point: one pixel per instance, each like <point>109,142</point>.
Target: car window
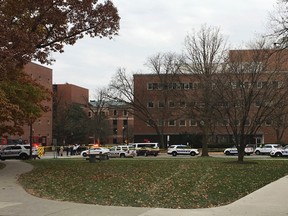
<point>15,147</point>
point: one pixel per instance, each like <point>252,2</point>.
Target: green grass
<point>166,183</point>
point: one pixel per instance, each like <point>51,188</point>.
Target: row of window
<point>193,122</point>
<point>197,85</point>
<point>173,104</point>
<point>115,113</point>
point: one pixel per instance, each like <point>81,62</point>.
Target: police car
<point>279,152</point>
<point>122,151</point>
<point>182,150</point>
<point>17,151</point>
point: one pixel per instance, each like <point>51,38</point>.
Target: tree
<point>252,85</point>
<point>279,24</point>
<point>98,125</point>
<point>70,124</point>
<point>20,103</point>
<point>204,51</point>
<point>32,30</point>
<point>166,68</point>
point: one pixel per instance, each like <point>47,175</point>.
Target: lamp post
<point>123,138</point>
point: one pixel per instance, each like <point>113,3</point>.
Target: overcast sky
<point>150,27</point>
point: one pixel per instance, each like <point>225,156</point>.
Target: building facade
<point>169,115</point>
<point>42,127</point>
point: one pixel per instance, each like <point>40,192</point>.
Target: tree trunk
<point>205,143</point>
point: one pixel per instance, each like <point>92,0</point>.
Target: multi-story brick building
<point>117,125</point>
<point>166,105</point>
<point>42,127</point>
<point>67,94</point>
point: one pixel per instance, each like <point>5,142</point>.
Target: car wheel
<point>192,153</point>
<point>257,152</point>
<point>227,153</point>
<point>278,154</point>
<point>84,154</point>
<point>122,155</point>
<point>23,156</point>
<point>174,154</point>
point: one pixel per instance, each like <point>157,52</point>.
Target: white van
<point>146,148</point>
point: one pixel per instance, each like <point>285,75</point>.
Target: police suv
<point>17,151</point>
<point>279,152</point>
<point>182,150</point>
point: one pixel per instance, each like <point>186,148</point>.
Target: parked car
<point>266,149</point>
<point>279,152</point>
<point>17,151</point>
<point>122,151</point>
<point>95,150</point>
<point>182,150</point>
<point>233,151</point>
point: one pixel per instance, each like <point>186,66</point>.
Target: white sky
<point>149,27</point>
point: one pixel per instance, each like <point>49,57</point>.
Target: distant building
<point>67,94</point>
<point>117,126</point>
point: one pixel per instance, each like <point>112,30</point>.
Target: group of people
<point>70,150</point>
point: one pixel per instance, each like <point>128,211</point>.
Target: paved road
<point>14,201</point>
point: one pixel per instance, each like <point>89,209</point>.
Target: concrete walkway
<point>15,201</point>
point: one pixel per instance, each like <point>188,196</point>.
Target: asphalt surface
<point>15,201</point>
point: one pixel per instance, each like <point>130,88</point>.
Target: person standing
<point>61,151</point>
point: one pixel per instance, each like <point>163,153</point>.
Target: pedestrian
<point>67,149</point>
<point>35,154</point>
<point>61,151</point>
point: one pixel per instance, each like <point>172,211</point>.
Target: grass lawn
<point>151,182</point>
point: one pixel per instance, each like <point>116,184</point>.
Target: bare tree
<point>98,120</point>
<point>204,50</point>
<point>248,90</point>
<point>165,71</point>
<point>167,90</point>
<point>279,24</point>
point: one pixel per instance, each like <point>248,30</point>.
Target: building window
<point>150,104</point>
<point>160,104</point>
<point>172,123</point>
<point>182,122</point>
<point>115,122</point>
<point>193,122</point>
<point>125,113</point>
<point>171,104</point>
<point>114,131</point>
<point>115,112</point>
<point>182,104</point>
<point>152,86</point>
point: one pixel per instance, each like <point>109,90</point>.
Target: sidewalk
<point>14,201</point>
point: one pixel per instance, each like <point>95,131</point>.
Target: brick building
<point>117,126</point>
<point>67,94</point>
<point>166,103</point>
<point>42,127</point>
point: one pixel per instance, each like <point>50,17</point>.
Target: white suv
<point>266,149</point>
<point>182,150</point>
<point>16,152</point>
<point>122,151</point>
